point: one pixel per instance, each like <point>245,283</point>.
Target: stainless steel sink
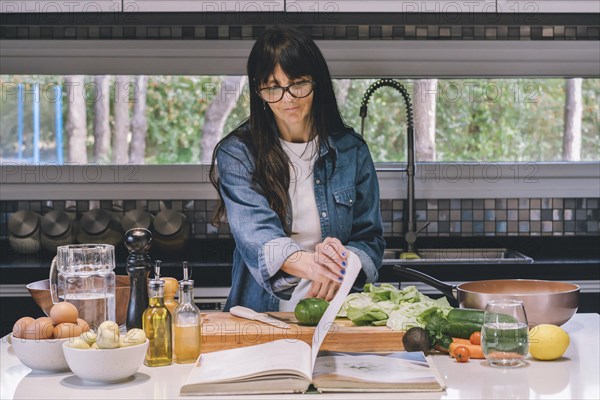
<point>456,256</point>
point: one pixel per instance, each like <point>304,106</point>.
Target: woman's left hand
<point>323,290</point>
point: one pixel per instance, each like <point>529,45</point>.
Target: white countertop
<point>574,376</point>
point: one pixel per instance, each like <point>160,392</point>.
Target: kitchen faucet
<point>411,232</point>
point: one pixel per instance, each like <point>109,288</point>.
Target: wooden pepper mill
<point>138,241</point>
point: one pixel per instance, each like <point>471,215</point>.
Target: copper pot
<point>545,302</point>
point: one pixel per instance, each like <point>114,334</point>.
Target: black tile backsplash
<point>320,26</point>
<point>446,217</point>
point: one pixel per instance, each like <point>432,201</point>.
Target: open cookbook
<point>291,366</point>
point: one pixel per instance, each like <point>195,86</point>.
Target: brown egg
<point>64,312</point>
<point>83,325</point>
<point>39,329</point>
<point>19,327</point>
<point>66,330</point>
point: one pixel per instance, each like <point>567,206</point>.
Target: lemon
<point>409,256</point>
<point>548,342</point>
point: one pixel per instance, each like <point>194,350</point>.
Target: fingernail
<point>343,272</point>
<point>340,279</point>
<point>343,254</point>
<point>343,263</point>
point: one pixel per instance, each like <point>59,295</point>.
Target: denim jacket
<point>347,200</point>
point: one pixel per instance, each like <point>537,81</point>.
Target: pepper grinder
<point>138,241</point>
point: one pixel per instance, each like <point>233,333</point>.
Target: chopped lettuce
<point>398,309</point>
<point>380,293</point>
<point>356,300</point>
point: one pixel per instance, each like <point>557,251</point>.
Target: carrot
<point>474,349</point>
<point>461,341</point>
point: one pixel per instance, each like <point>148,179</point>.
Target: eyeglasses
<point>298,90</point>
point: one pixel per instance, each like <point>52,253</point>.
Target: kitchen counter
<point>573,376</point>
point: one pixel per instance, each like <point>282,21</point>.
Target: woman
<point>298,186</point>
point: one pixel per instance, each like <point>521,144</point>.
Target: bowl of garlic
<point>106,356</point>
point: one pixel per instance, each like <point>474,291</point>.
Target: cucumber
<point>462,330</point>
<point>474,316</point>
<point>466,315</point>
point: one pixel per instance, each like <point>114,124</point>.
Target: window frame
<point>347,59</point>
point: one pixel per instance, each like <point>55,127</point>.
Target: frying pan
<point>545,302</point>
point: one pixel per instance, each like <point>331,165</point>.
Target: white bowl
<point>105,365</point>
<point>41,355</point>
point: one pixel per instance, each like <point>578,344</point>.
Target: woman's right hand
<point>327,263</point>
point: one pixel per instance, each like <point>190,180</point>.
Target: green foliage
<point>476,119</point>
<point>176,107</point>
<point>481,119</point>
<point>240,112</point>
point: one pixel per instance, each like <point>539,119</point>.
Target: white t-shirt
<point>306,224</point>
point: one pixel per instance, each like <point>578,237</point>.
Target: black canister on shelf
<point>137,218</point>
<point>138,241</point>
<point>24,231</point>
<point>99,226</point>
<point>58,229</point>
<point>171,230</point>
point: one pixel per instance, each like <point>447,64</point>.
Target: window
<point>161,119</point>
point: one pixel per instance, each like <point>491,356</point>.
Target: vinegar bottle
<point>156,322</point>
<point>186,322</point>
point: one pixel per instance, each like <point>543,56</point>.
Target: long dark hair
<point>297,55</point>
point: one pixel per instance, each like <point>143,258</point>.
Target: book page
<point>352,270</point>
<point>263,359</point>
<point>375,372</point>
<point>375,368</point>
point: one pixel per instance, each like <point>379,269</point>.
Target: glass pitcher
<point>83,275</point>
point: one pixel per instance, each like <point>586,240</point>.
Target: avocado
<point>416,339</point>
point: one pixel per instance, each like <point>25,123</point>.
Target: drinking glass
<point>504,335</point>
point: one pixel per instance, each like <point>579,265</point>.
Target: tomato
<point>475,338</point>
<point>462,354</point>
<point>310,310</point>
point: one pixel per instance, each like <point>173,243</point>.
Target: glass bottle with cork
<point>187,322</point>
<point>156,322</point>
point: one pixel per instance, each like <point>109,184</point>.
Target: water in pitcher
<point>94,308</point>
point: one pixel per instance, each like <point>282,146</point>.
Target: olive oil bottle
<point>156,322</point>
<point>186,322</point>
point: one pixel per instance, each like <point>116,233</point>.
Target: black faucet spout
<point>411,231</point>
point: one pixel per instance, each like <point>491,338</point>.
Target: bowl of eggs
<point>38,342</point>
<point>106,356</point>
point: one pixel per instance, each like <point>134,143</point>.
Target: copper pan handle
<point>450,291</point>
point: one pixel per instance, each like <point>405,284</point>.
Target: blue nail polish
<point>343,263</point>
<point>340,279</point>
<point>343,272</point>
<point>343,254</point>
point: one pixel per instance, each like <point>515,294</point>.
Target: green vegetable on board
<point>309,311</point>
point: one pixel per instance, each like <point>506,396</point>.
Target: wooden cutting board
<point>222,331</point>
